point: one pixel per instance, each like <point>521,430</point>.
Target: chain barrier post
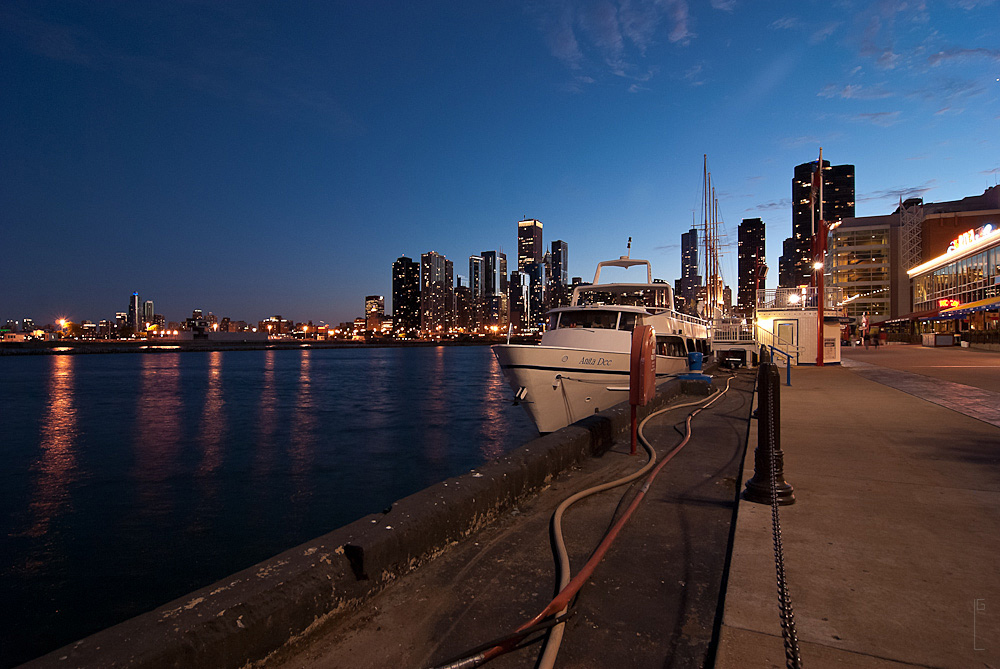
<point>758,487</point>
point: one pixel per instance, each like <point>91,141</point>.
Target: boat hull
<point>558,386</point>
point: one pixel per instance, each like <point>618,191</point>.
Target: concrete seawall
<point>250,614</point>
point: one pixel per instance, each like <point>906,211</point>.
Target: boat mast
<point>710,225</point>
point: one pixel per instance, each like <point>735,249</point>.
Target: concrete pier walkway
<point>892,551</point>
<point>653,601</point>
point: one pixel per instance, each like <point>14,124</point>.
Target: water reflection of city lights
<point>57,464</point>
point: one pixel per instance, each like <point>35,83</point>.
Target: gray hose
<point>554,639</point>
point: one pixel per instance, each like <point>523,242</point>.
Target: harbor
<point>888,549</point>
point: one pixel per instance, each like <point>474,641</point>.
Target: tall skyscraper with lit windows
<point>134,313</point>
<point>796,262</point>
<point>405,295</point>
<point>529,242</point>
<point>750,259</point>
<point>437,293</point>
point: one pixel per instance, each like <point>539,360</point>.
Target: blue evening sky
<point>251,158</point>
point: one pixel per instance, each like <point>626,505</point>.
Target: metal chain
<point>787,615</point>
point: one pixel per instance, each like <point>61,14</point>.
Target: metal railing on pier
<point>799,298</point>
<point>742,334</point>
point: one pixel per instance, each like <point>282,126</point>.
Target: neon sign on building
<point>970,237</point>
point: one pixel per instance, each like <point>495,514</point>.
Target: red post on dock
<point>642,373</point>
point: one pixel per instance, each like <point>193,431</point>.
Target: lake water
<point>130,480</point>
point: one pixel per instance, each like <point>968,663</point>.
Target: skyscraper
<point>529,242</point>
<point>750,257</point>
<point>477,268</point>
<point>374,312</point>
<point>520,300</point>
<point>535,272</point>
<point>405,295</point>
<point>690,280</point>
<point>838,203</point>
<point>134,313</point>
<point>437,293</point>
<point>147,312</point>
<point>559,292</point>
<point>494,272</point>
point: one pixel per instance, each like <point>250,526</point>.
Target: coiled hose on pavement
<point>569,587</point>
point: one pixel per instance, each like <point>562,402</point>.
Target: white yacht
<point>581,365</point>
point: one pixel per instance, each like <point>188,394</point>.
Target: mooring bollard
<point>768,455</point>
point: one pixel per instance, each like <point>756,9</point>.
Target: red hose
<point>562,599</point>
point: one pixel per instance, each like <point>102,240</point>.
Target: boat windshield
<point>658,297</point>
<point>598,319</point>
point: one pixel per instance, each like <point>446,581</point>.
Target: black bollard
<point>758,488</point>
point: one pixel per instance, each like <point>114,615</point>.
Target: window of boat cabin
<point>628,321</point>
<point>671,345</point>
<point>589,318</point>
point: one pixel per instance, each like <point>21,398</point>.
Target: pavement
<point>654,600</point>
<point>891,550</point>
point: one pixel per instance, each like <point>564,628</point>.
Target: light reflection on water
<point>303,425</point>
<point>266,419</point>
<point>130,480</point>
<point>436,409</point>
<point>213,426</point>
<point>56,468</point>
<point>157,430</point>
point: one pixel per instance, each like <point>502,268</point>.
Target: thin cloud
<point>617,35</point>
<point>995,170</point>
<point>724,5</point>
<point>895,194</point>
<point>961,54</point>
<point>786,23</point>
<point>678,11</point>
<point>784,203</point>
<point>853,92</point>
<point>824,32</point>
<point>804,140</point>
<point>881,119</point>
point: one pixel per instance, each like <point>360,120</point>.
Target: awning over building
<point>963,310</point>
<point>916,316</point>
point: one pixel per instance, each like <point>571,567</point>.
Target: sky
<point>263,158</point>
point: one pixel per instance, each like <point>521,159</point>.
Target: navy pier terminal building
<point>927,267</point>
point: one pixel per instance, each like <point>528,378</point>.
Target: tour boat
<point>581,365</point>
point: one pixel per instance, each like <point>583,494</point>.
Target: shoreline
<point>153,346</point>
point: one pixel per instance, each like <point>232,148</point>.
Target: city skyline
<point>253,160</point>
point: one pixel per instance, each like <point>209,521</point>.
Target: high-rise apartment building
<point>494,272</point>
<point>374,312</point>
<point>520,300</point>
<point>437,293</point>
<point>838,203</point>
<point>477,270</point>
<point>535,272</point>
<point>750,260</point>
<point>559,292</point>
<point>405,295</point>
<point>529,242</point>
